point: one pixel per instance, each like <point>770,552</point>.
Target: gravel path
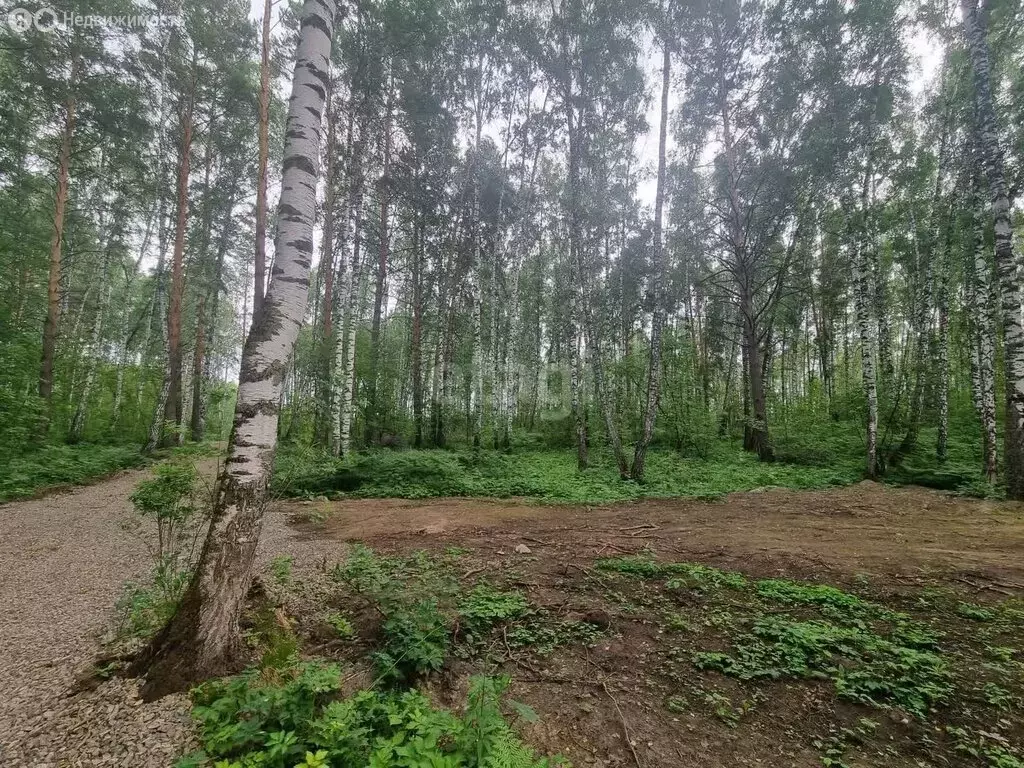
<point>64,560</point>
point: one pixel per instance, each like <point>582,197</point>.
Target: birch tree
<point>202,638</point>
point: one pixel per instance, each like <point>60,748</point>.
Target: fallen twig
<point>991,587</point>
<point>622,720</point>
<point>641,527</point>
<point>472,571</point>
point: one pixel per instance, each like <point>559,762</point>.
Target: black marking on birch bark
<point>302,245</point>
<point>290,212</point>
<point>294,281</point>
<point>295,132</point>
<point>251,411</point>
<point>316,20</point>
<point>301,162</point>
<point>263,332</point>
<point>319,90</point>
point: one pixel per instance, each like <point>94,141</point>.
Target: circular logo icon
<point>46,19</point>
<point>20,20</point>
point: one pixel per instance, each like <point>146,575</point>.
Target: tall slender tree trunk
<point>982,301</point>
<point>95,347</point>
<point>1006,261</point>
<point>416,350</point>
<point>210,330</point>
<point>348,368</point>
<point>260,261</point>
<point>925,300</point>
<point>202,638</point>
<point>206,281</point>
<point>867,346</point>
<point>196,420</point>
<point>156,423</point>
<point>942,342</point>
<point>477,362</point>
<point>865,328</point>
<point>383,254</point>
<point>56,246</point>
<point>173,406</point>
<point>657,276</point>
<point>325,429</point>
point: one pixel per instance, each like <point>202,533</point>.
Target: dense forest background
<point>575,228</point>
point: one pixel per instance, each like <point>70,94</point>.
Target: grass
<point>813,457</point>
<point>58,465</point>
<point>541,475</point>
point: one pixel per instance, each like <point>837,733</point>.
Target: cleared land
<point>624,632</point>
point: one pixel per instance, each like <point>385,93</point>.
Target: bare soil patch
<point>866,528</point>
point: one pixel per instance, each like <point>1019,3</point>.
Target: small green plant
<point>415,641</point>
<point>674,622</point>
<point>1003,654</point>
<point>341,625</point>
<point>272,637</point>
<point>281,569</point>
<point>485,606</point>
<point>543,635</point>
<point>975,612</point>
<point>144,608</point>
<point>677,704</point>
<point>986,746</point>
<point>679,575</point>
<point>863,666</point>
<point>997,696</point>
<point>169,499</point>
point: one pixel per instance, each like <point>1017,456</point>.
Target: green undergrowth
<point>810,454</point>
<point>428,615</point>
<point>917,678</point>
<point>55,466</point>
<point>403,618</point>
<point>546,476</point>
<point>297,717</point>
<point>58,465</point>
<point>951,667</point>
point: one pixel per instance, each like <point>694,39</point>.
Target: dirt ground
<point>64,559</point>
<point>907,533</point>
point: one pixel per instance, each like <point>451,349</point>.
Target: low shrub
<point>299,719</point>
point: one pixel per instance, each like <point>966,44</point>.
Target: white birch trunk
<point>92,353</point>
<point>865,330</point>
<point>348,377</point>
<point>982,302</point>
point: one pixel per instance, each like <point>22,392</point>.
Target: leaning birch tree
<point>202,638</point>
